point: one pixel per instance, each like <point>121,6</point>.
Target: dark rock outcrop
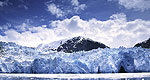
<point>80,44</point>
<point>145,44</point>
<point>122,70</point>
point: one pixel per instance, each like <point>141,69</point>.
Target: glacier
<point>20,59</point>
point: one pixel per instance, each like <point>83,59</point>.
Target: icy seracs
<point>20,59</point>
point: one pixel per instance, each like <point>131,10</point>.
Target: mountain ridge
<point>80,44</point>
<point>144,44</point>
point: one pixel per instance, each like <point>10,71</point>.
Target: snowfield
<point>19,59</point>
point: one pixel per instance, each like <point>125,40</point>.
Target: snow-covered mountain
<point>80,44</point>
<point>72,45</point>
<point>145,44</point>
<point>51,46</point>
<point>20,59</point>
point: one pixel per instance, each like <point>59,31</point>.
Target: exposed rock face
<point>80,44</point>
<point>122,70</point>
<point>145,44</point>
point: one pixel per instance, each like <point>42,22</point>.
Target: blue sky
<point>112,22</point>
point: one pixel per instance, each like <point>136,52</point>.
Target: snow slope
<point>20,59</point>
<point>52,45</point>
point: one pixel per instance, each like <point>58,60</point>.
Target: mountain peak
<point>144,44</point>
<point>80,44</point>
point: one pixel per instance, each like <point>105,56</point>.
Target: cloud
<point>62,10</point>
<point>3,3</point>
<point>23,27</point>
<point>77,5</point>
<point>55,10</point>
<point>115,32</point>
<point>138,5</point>
<point>31,38</point>
<point>23,6</point>
<point>5,27</point>
<point>75,2</point>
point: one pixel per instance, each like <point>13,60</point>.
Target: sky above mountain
<point>112,22</point>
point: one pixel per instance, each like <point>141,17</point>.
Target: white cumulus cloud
<point>115,32</point>
<point>62,10</point>
<point>138,5</point>
<point>55,10</point>
<point>31,38</point>
<point>77,5</point>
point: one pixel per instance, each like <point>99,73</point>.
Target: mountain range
<point>75,44</point>
<point>81,44</point>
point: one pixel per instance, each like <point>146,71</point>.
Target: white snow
<point>52,45</point>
